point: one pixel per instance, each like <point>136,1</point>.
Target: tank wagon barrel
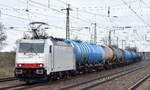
<point>127,55</point>
<point>131,55</point>
<point>118,55</point>
<point>109,54</point>
<point>87,53</point>
<point>95,54</point>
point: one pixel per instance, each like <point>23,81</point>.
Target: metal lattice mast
<point>67,22</point>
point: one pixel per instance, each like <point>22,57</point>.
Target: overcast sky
<point>84,12</point>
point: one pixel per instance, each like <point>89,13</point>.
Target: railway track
<point>140,81</point>
<point>87,84</point>
<point>10,82</point>
<point>13,87</point>
<point>7,79</point>
<point>14,84</point>
<point>101,79</point>
<point>18,86</point>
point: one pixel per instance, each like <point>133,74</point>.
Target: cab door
<point>48,58</point>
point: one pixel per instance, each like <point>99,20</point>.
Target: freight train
<point>38,59</point>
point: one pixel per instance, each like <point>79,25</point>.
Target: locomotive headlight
<point>19,65</point>
<point>41,65</point>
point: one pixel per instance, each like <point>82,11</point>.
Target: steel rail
<point>134,86</point>
<point>100,80</point>
<point>7,79</point>
<point>28,86</point>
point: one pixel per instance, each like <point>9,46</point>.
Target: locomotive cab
<point>31,59</point>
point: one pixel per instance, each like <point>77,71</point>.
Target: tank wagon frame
<point>38,59</point>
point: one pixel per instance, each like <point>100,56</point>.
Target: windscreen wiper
<point>32,49</point>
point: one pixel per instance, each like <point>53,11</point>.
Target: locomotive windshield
<point>31,48</point>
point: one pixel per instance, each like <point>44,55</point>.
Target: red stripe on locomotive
<point>29,65</point>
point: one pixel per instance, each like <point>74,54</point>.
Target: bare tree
<point>2,36</point>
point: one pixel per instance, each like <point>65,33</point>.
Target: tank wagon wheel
<point>100,68</point>
<point>89,70</point>
<point>106,66</point>
<point>52,77</point>
<point>77,72</point>
<point>63,75</point>
<point>113,66</point>
<point>119,64</point>
<point>67,75</point>
<point>59,75</point>
<point>73,73</point>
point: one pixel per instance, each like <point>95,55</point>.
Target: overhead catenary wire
<point>145,3</point>
<point>29,12</point>
<point>43,5</point>
<point>139,6</point>
<point>59,11</point>
<point>63,13</point>
<point>136,13</point>
<point>32,13</point>
<point>85,11</point>
<point>140,18</point>
<point>23,10</point>
<point>54,26</point>
<point>22,17</point>
<point>15,29</point>
<point>89,22</point>
<point>32,20</point>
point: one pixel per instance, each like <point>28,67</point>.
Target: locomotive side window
<point>50,49</point>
